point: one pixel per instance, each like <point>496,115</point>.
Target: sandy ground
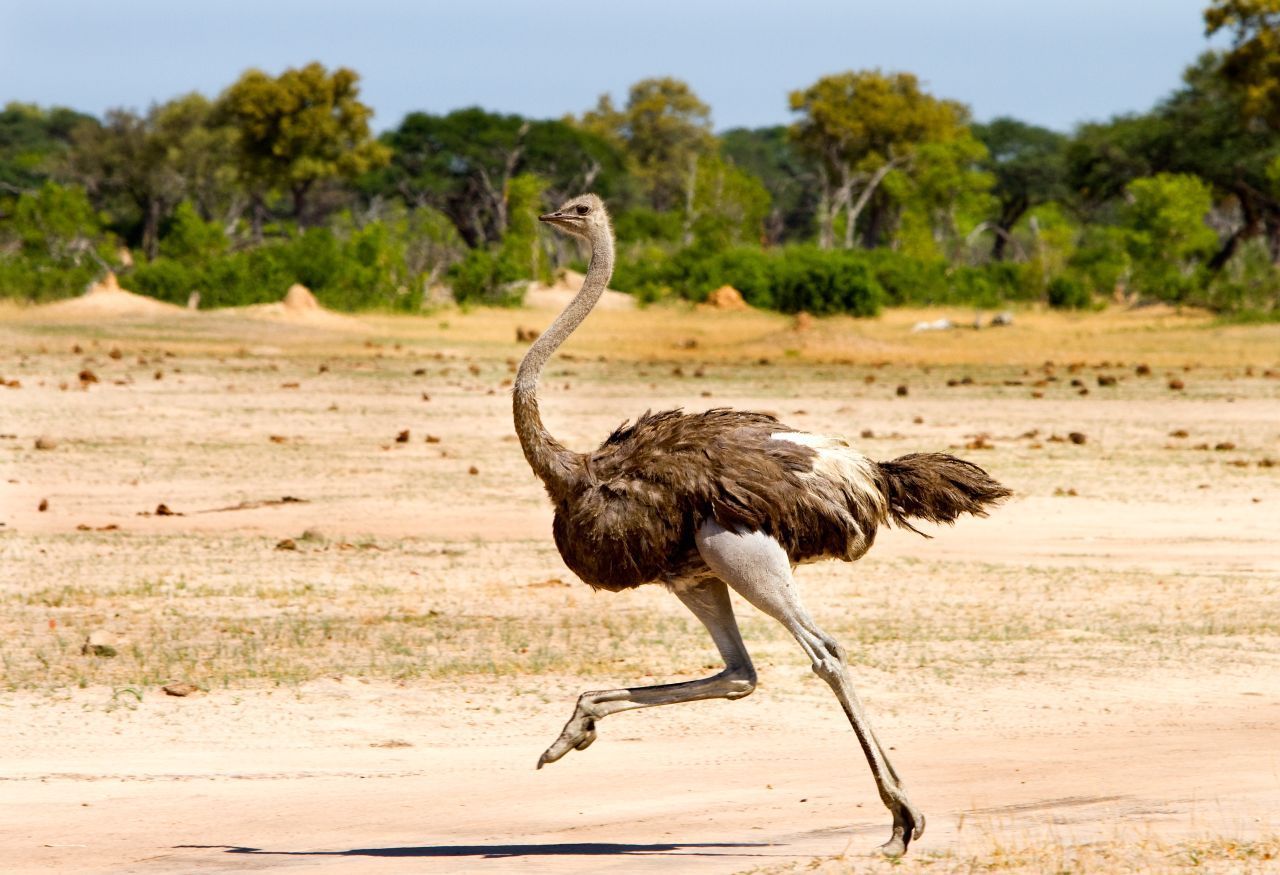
<point>1096,665</point>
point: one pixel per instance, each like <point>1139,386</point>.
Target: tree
<point>1168,238</point>
<point>664,128</point>
<point>1253,61</point>
<point>727,207</point>
<point>770,156</point>
<point>858,127</point>
<point>32,140</point>
<point>463,163</point>
<point>302,127</point>
<point>143,166</point>
<point>1028,163</point>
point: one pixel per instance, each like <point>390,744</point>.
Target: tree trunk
<point>301,191</point>
<point>151,229</point>
<point>257,216</point>
<point>854,209</point>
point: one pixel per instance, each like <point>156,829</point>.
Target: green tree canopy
<point>1028,163</point>
<point>1253,61</point>
<point>860,125</point>
<point>664,129</point>
<point>463,163</point>
<point>300,128</point>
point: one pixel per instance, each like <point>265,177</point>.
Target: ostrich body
<point>719,500</point>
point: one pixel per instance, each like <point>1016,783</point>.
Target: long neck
<point>556,466</point>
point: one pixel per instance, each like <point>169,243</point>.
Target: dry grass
<point>378,592</point>
<point>1132,855</point>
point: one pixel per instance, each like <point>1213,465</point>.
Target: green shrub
<point>1068,293</point>
<point>825,282</point>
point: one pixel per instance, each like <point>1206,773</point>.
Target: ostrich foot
<point>908,825</point>
<point>578,734</point>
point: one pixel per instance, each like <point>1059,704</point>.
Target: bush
<point>1068,293</point>
<point>825,282</point>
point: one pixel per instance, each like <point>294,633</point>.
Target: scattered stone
<point>474,370</point>
<point>979,442</point>
<point>116,353</point>
<point>181,689</point>
<point>1143,370</point>
<point>277,438</point>
<point>403,437</point>
<point>290,385</point>
<point>432,439</point>
<point>473,470</point>
<point>391,743</point>
<point>44,505</point>
<point>1077,437</point>
<point>1178,433</point>
<point>163,510</point>
<point>1224,445</point>
<point>44,442</point>
<point>287,544</point>
<point>101,644</point>
<point>902,391</point>
<point>526,335</point>
<point>868,434</point>
<point>87,376</point>
<point>1177,385</point>
<point>1060,491</point>
<point>1106,380</point>
<point>1267,462</point>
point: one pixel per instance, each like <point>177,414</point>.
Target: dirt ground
<point>383,638</point>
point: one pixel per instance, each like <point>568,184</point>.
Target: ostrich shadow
<point>502,851</point>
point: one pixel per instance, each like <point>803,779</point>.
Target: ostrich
<point>724,499</point>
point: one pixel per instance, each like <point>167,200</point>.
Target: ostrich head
<point>583,216</point>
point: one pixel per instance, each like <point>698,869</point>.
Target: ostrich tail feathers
<point>938,488</point>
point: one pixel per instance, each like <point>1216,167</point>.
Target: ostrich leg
<point>710,604</point>
<point>757,568</point>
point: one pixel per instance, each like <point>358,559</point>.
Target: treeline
<point>878,193</point>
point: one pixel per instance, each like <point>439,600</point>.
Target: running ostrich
<point>705,502</point>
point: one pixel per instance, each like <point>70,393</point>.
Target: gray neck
<point>556,466</point>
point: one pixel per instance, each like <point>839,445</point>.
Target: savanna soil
<point>384,638</point>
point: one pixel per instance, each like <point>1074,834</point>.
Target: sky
<point>1051,62</point>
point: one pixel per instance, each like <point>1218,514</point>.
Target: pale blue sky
<point>1049,62</point>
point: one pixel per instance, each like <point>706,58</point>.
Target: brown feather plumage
<point>641,497</point>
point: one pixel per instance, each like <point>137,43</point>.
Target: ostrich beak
<point>550,218</point>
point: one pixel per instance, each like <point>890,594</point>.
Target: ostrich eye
<point>583,209</point>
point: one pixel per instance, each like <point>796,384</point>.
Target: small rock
<point>287,544</point>
<point>403,437</point>
<point>101,644</point>
<point>473,470</point>
<point>1178,433</point>
<point>1077,437</point>
<point>1177,385</point>
<point>44,505</point>
<point>44,442</point>
<point>902,391</point>
<point>1106,380</point>
<point>1224,445</point>
<point>163,510</point>
<point>87,376</point>
<point>181,689</point>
